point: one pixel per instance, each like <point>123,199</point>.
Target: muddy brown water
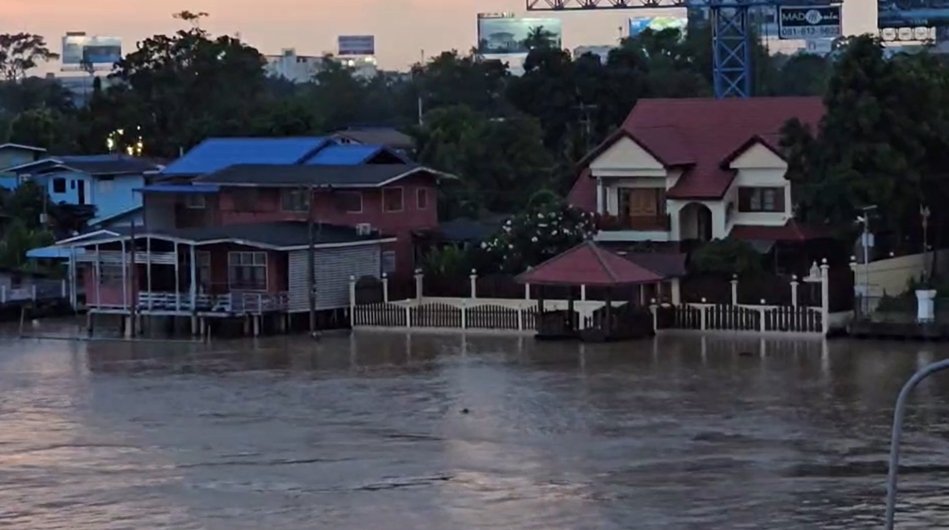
<point>369,432</point>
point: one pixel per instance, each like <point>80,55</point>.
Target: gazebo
<point>590,265</point>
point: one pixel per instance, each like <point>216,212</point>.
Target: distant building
<point>304,68</point>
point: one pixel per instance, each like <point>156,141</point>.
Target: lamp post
<point>924,214</point>
<point>865,247</point>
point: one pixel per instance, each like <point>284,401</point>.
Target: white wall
<point>891,276</point>
<point>626,158</point>
<point>758,166</point>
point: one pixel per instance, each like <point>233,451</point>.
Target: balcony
<point>635,228</point>
<point>233,303</point>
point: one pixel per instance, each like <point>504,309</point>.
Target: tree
<point>20,52</point>
<point>46,128</point>
<point>540,38</point>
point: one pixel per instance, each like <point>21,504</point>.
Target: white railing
<point>760,319</point>
<point>37,290</point>
<point>238,303</point>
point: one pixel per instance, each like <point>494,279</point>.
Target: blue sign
<point>912,13</point>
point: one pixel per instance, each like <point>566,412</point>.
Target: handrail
<point>897,432</point>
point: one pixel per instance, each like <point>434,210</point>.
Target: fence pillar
<point>408,316</point>
<point>734,289</point>
<point>676,291</point>
<point>520,319</point>
<point>762,311</point>
<point>352,301</point>
<point>464,314</point>
<point>385,287</point>
<point>474,283</point>
<point>583,293</point>
<point>418,284</point>
<point>794,286</point>
<point>702,311</point>
<point>527,291</point>
<point>825,296</point>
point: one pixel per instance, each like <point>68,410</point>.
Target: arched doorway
<point>695,222</point>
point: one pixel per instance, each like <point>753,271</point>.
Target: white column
<point>98,274</point>
<point>125,281</point>
<point>148,269</point>
<point>385,287</point>
<point>177,289</point>
<point>735,289</point>
<point>600,197</point>
<point>825,296</point>
<point>527,291</point>
<point>583,293</point>
<point>473,278</point>
<point>794,286</point>
<point>676,291</point>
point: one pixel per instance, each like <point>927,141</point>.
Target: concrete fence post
<point>474,283</point>
<point>734,289</point>
<point>385,287</point>
<point>418,284</point>
<point>408,316</point>
<point>762,311</point>
<point>704,314</point>
<point>527,291</point>
<point>825,296</point>
<point>464,314</point>
<point>794,286</point>
<point>583,293</point>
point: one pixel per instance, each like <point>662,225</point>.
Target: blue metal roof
<point>180,188</point>
<point>52,252</point>
<point>218,153</point>
<point>344,155</point>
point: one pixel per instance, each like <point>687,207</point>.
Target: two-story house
<point>105,182</point>
<point>696,169</point>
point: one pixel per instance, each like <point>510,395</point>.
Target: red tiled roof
<point>712,129</point>
<point>583,193</point>
<point>792,231</point>
<point>588,264</point>
<point>701,134</point>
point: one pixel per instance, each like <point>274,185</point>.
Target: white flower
<point>534,239</point>
<point>555,232</point>
<point>540,216</point>
<point>484,244</point>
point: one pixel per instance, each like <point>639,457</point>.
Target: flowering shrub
<point>535,236</point>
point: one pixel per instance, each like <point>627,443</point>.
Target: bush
<point>726,257</point>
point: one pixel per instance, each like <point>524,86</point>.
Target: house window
<point>247,271</point>
<point>421,197</point>
<point>388,262</point>
<point>349,201</point>
<point>110,273</point>
<point>195,201</point>
<point>59,185</point>
<point>245,200</point>
<point>392,199</point>
<point>105,184</point>
<point>294,200</point>
<point>760,199</point>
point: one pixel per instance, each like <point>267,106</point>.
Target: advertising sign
<point>356,44</point>
<point>500,35</point>
<point>638,25</point>
<point>912,13</point>
<point>808,22</point>
<point>79,48</point>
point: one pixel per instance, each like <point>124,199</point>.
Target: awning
<point>180,188</point>
<point>53,252</point>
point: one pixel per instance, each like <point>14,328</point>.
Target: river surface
<point>370,432</point>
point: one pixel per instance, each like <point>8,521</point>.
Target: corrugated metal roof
<point>214,154</point>
<point>344,155</point>
<point>180,188</point>
<point>291,175</point>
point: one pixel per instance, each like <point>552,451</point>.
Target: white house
<point>695,169</point>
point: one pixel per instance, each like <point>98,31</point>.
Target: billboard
<point>505,34</point>
<point>912,13</point>
<point>808,22</point>
<point>638,25</point>
<point>356,45</point>
<point>79,48</point>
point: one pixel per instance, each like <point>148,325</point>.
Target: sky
<point>403,28</point>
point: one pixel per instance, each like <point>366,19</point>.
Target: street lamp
<point>865,244</point>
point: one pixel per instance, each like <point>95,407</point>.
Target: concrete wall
<point>891,276</point>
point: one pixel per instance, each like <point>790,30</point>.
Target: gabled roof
<point>711,129</point>
<point>588,264</point>
<point>108,164</point>
<point>214,154</point>
<point>362,176</point>
<point>700,135</point>
<point>386,136</point>
<point>355,154</point>
<point>22,147</point>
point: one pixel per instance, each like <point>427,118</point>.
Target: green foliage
<point>535,236</point>
<point>44,127</point>
<point>17,240</point>
<point>726,257</point>
<point>20,52</point>
<point>447,262</point>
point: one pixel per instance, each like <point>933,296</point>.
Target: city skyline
<point>403,28</point>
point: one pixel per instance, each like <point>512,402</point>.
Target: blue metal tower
<point>731,35</point>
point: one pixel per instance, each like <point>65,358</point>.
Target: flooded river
<point>381,431</point>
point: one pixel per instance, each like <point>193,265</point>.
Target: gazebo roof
<point>588,264</point>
